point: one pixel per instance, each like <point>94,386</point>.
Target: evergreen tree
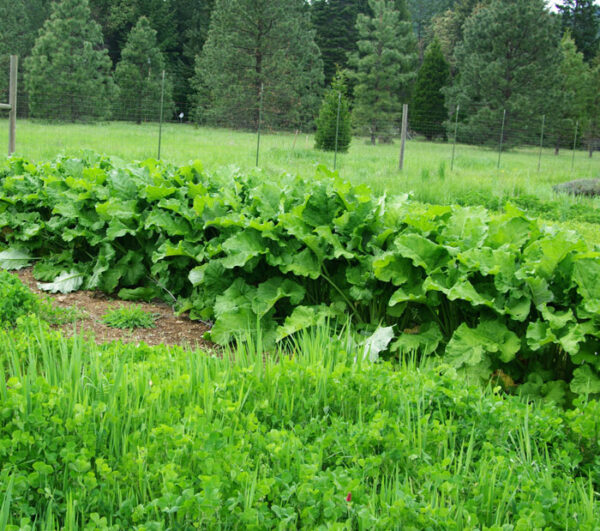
<point>181,29</point>
<point>68,72</point>
<point>421,14</point>
<point>335,31</point>
<point>580,18</point>
<point>327,122</point>
<point>428,104</point>
<point>384,68</point>
<point>592,107</point>
<point>569,101</point>
<point>20,22</point>
<point>448,26</point>
<point>139,76</point>
<point>507,62</point>
<point>14,38</point>
<point>253,44</point>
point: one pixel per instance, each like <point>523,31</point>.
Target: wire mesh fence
<point>260,112</point>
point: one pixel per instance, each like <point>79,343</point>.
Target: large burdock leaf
<point>304,317</point>
<point>586,274</point>
<point>66,282</point>
<point>422,251</point>
<point>269,292</point>
<point>585,381</point>
<point>14,258</point>
<point>425,339</point>
<point>242,247</point>
<point>377,343</point>
<point>468,345</point>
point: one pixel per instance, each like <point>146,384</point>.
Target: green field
<point>475,178</point>
<point>475,167</point>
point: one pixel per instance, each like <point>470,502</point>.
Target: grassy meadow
<point>475,178</point>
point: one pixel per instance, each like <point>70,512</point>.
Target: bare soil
<point>170,329</point>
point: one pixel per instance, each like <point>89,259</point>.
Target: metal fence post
<point>12,101</point>
<point>162,100</point>
<point>403,134</point>
<point>455,135</point>
<point>260,109</point>
<point>337,130</point>
<point>501,137</point>
<point>574,145</point>
<point>541,142</point>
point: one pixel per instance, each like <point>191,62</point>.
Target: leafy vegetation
<point>129,317</point>
<point>132,437</point>
<point>16,299</point>
<point>497,294</point>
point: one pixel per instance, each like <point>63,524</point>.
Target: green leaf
<point>303,317</point>
<point>422,251</point>
<point>274,289</point>
<point>539,335</point>
<point>377,343</point>
<point>172,225</point>
<point>117,208</point>
<point>145,293</point>
<point>468,345</point>
<point>426,341</point>
<point>241,247</point>
<point>66,282</point>
<point>585,381</point>
<point>586,274</point>
<point>15,258</point>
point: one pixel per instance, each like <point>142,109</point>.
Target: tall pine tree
<point>507,62</point>
<point>15,37</point>
<point>68,72</point>
<point>254,46</point>
<point>580,18</point>
<point>428,104</point>
<point>139,76</point>
<point>385,67</point>
<point>569,101</point>
<point>20,22</point>
<point>591,129</point>
<point>335,31</point>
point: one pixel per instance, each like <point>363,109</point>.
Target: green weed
<point>129,317</point>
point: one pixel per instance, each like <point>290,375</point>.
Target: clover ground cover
<point>122,436</point>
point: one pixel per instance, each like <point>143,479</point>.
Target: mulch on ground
<point>92,305</point>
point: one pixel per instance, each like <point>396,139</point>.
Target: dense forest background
<point>470,61</point>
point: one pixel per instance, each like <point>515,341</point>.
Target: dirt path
<point>91,306</point>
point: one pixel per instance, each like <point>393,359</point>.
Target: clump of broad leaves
<point>497,295</point>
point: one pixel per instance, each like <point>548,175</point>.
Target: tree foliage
<point>569,102</point>
<point>139,76</point>
<point>335,103</point>
<point>20,21</point>
<point>428,104</point>
<point>592,107</point>
<point>68,72</point>
<point>181,29</point>
<point>582,19</point>
<point>335,31</point>
<point>384,66</point>
<point>254,46</point>
<point>505,66</point>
